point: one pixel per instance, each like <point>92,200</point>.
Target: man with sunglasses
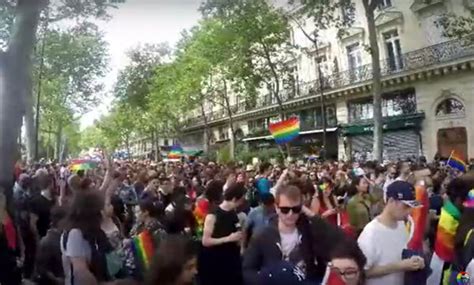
<point>283,239</point>
<point>384,239</point>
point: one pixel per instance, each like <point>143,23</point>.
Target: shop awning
<point>412,121</point>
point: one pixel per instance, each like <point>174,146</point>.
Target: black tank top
<point>227,222</point>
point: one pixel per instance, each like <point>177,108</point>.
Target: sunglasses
<point>294,210</point>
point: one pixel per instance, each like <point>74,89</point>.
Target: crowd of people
<point>200,222</point>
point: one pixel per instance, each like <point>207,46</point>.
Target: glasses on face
<point>350,273</point>
<point>294,210</point>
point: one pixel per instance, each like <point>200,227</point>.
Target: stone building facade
<point>428,89</point>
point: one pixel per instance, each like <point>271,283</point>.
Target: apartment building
<point>428,89</point>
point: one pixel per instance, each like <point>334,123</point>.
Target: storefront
<point>401,138</point>
<point>308,142</point>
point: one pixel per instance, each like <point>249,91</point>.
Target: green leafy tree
<point>18,41</point>
<point>262,34</point>
<point>74,61</point>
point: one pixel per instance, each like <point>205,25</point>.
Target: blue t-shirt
<point>263,185</point>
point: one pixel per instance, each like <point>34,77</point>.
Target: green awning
<point>412,121</point>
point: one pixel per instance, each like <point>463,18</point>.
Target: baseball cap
<point>403,192</point>
<point>282,273</point>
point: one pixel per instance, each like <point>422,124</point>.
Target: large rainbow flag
<point>455,161</point>
<point>143,249</point>
<point>176,152</point>
<point>285,131</point>
<point>444,243</point>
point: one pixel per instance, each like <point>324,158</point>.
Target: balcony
<point>431,56</point>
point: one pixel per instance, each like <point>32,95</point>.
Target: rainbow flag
<point>469,203</point>
<point>200,213</point>
<point>176,152</point>
<point>456,162</point>
<point>143,249</point>
<point>419,216</point>
<point>285,131</point>
<point>444,243</point>
<point>82,164</point>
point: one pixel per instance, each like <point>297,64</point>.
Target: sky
<point>137,22</point>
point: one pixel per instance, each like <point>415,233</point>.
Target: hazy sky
<point>142,21</point>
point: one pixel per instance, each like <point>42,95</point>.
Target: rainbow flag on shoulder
<point>455,161</point>
<point>285,131</point>
<point>176,152</point>
<point>143,249</point>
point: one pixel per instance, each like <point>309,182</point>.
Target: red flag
<point>334,278</point>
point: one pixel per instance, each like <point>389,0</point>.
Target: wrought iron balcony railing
<point>429,56</point>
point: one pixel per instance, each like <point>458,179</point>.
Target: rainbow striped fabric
<point>419,216</point>
<point>285,131</point>
<point>469,203</point>
<point>82,164</point>
<point>143,249</point>
<point>447,226</point>
<point>455,161</point>
<point>200,213</point>
<point>444,244</point>
<point>176,152</point>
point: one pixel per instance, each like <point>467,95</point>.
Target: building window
<point>165,142</point>
<point>354,58</point>
<point>331,116</point>
<point>322,64</point>
<point>346,10</point>
<point>293,83</point>
<point>385,4</point>
<point>450,106</point>
<point>394,50</point>
<point>393,104</point>
<point>291,37</point>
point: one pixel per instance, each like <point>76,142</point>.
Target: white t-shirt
<point>383,245</point>
<point>289,241</point>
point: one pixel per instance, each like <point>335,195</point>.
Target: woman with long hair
<point>175,262</point>
<point>83,244</point>
<point>360,204</point>
<point>325,205</point>
<point>10,250</point>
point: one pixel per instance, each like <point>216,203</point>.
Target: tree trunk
<point>63,149</point>
<point>231,123</point>
<point>59,138</point>
<point>377,82</point>
<point>127,145</point>
<point>14,72</point>
<point>30,129</point>
<point>207,135</point>
<point>276,90</point>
